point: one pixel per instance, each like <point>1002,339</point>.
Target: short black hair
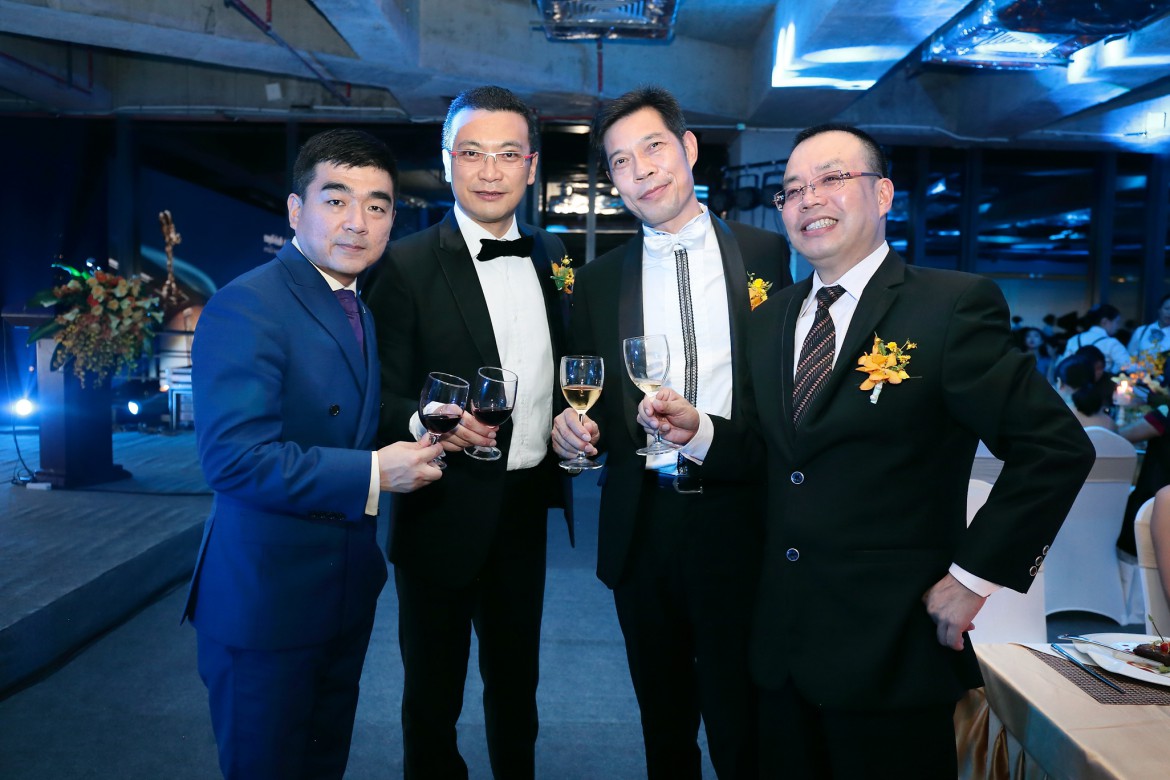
<point>1103,311</point>
<point>648,96</point>
<point>876,157</point>
<point>345,148</point>
<point>491,98</point>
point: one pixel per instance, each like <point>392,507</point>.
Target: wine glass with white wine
<point>581,379</point>
<point>648,364</point>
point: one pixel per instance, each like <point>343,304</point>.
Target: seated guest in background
<point>1154,473</point>
<point>1035,343</point>
<point>1154,337</point>
<point>287,383</point>
<point>1102,381</point>
<point>1160,533</point>
<point>1102,323</point>
<point>1074,382</point>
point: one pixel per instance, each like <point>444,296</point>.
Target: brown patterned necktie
<point>816,355</point>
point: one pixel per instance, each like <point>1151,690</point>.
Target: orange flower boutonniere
<point>757,290</point>
<point>562,275</point>
<point>885,363</point>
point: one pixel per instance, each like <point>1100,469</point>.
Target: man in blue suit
<point>286,383</point>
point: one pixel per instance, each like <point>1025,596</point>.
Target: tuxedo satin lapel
<point>456,264</point>
<point>738,306</point>
<point>788,352</point>
<point>630,323</point>
<point>311,289</point>
<point>555,302</point>
<point>877,298</point>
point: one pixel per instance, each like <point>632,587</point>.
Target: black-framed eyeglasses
<point>475,158</point>
<point>826,182</point>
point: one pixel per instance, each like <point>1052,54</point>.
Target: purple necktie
<point>816,356</point>
<point>349,302</point>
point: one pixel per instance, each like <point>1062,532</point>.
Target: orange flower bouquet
<point>562,275</point>
<point>885,363</point>
<point>757,290</point>
<point>104,323</point>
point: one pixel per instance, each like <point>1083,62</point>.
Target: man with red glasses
<point>871,383</point>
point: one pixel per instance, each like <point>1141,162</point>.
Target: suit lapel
<point>313,292</point>
<point>556,303</point>
<point>373,391</point>
<point>788,354</point>
<point>877,298</point>
<point>630,323</point>
<point>456,264</point>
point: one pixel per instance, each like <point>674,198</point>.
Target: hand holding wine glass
<point>440,407</point>
<point>492,400</point>
<point>582,377</point>
<point>648,364</point>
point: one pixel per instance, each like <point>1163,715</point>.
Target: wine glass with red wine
<point>440,407</point>
<point>492,400</point>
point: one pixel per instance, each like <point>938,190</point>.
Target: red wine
<point>441,423</point>
<point>492,416</point>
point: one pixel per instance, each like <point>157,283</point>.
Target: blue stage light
<point>24,407</point>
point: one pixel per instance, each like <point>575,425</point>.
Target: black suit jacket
<point>867,501</point>
<point>607,307</point>
<point>428,304</point>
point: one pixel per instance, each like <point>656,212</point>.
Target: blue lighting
<point>23,407</point>
<point>132,407</point>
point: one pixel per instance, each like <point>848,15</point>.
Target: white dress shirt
<point>520,325</point>
<point>1152,338</point>
<point>1116,355</point>
<point>375,482</point>
<point>661,313</point>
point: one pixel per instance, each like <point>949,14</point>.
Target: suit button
<point>1039,560</point>
<point>793,554</point>
<point>334,410</point>
<point>797,478</point>
<point>1045,550</point>
<point>1034,570</point>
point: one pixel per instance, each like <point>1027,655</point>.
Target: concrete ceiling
<point>402,60</point>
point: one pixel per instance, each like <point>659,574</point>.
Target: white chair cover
<point>1007,616</point>
<point>1082,571</point>
<point>1148,572</point>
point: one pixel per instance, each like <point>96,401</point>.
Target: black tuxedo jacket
<point>866,501</point>
<point>607,308</point>
<point>432,316</point>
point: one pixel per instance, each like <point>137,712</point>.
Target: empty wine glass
<point>581,379</point>
<point>440,407</point>
<point>648,364</point>
<point>492,400</point>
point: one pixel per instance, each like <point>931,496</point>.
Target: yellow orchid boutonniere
<point>757,290</point>
<point>885,363</point>
<point>562,275</point>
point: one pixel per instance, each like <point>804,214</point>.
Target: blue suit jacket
<point>286,412</point>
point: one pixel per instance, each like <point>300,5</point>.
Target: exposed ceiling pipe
<point>266,27</point>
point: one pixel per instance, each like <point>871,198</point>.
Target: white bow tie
<point>661,246</point>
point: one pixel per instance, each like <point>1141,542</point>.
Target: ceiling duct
<point>1029,34</point>
<point>579,20</point>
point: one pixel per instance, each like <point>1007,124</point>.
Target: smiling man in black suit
<point>871,577</point>
<point>473,553</point>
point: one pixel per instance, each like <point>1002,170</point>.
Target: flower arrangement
<point>562,275</point>
<point>104,323</point>
<point>886,362</point>
<point>757,290</point>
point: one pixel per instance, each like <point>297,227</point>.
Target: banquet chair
<point>1151,583</point>
<point>1006,616</point>
<point>1082,573</point>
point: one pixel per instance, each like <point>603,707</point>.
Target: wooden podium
<point>77,426</point>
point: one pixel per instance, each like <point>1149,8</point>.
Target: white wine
<point>648,386</point>
<point>581,397</point>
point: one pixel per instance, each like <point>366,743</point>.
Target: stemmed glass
<point>648,363</point>
<point>581,379</point>
<point>440,407</point>
<point>492,400</point>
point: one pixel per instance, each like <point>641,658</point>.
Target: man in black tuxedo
<point>679,550</point>
<point>871,577</point>
<point>473,553</point>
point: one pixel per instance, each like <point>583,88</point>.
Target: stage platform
<point>76,563</point>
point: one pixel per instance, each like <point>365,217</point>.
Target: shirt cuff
<point>416,428</point>
<point>696,449</point>
<point>375,487</point>
<point>978,585</point>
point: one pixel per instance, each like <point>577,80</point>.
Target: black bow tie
<point>490,249</point>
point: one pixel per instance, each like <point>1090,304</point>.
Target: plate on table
<point>1126,642</point>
